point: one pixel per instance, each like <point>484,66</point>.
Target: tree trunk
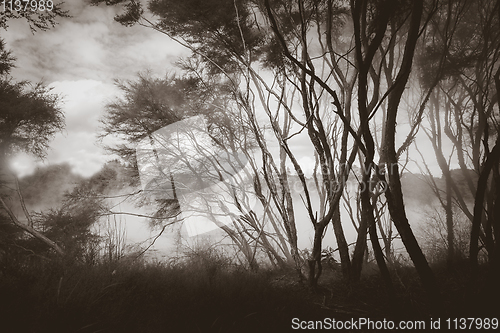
<point>238,238</point>
<point>394,196</point>
<point>345,261</point>
<point>360,248</point>
<point>449,225</point>
<point>379,256</point>
<point>495,262</point>
<point>315,259</point>
<point>436,139</point>
<point>368,220</point>
<point>482,184</point>
<point>394,193</point>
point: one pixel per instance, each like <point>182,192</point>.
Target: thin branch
<point>31,230</point>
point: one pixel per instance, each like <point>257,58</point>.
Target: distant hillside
<point>417,191</point>
<point>46,187</point>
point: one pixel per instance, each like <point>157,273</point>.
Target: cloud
<point>84,104</point>
<point>80,151</point>
<point>89,45</point>
<point>79,59</point>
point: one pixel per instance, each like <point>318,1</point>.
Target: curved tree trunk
<point>394,196</point>
<point>482,184</point>
<point>394,193</point>
<point>360,248</point>
<point>314,263</point>
<point>345,261</point>
<point>379,256</point>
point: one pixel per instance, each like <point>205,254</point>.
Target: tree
<point>262,39</point>
<point>211,151</point>
<point>148,104</point>
<point>29,117</point>
<point>468,91</point>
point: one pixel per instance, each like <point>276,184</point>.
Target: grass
<point>188,297</point>
<point>205,293</point>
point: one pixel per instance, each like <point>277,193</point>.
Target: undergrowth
<point>195,295</point>
<point>205,292</point>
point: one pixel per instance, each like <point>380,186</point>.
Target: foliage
<point>112,177</point>
<point>146,297</point>
<point>29,117</point>
<point>70,227</point>
<point>147,105</point>
<point>299,46</point>
<point>6,59</point>
<point>467,50</point>
<point>151,296</point>
<point>458,40</point>
<point>46,187</point>
<point>276,36</point>
<point>70,218</point>
<point>29,114</point>
<point>434,236</point>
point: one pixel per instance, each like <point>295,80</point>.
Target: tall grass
<point>205,291</point>
<point>198,294</point>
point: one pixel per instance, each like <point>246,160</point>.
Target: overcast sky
<point>80,58</point>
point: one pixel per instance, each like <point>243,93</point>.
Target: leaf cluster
<point>231,32</point>
<point>466,42</point>
<point>29,117</point>
<point>6,60</point>
<point>70,227</point>
<point>147,105</point>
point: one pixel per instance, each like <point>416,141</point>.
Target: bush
<point>434,241</point>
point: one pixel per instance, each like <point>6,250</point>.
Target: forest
<point>309,162</point>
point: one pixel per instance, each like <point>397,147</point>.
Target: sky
<point>80,59</point>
